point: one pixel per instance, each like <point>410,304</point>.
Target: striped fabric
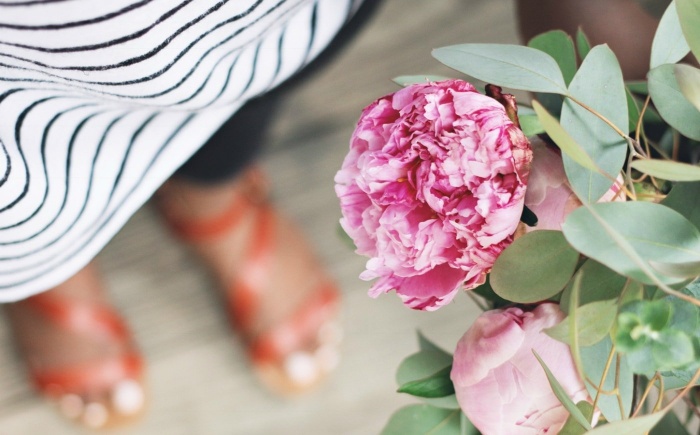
<point>101,100</point>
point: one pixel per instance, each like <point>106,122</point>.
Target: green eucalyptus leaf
<point>668,169</point>
<point>670,102</point>
<point>677,270</point>
<point>594,322</point>
<point>594,359</point>
<point>669,45</point>
<point>637,425</point>
<point>563,397</point>
<point>563,139</point>
<point>598,84</point>
<point>689,16</point>
<point>511,66</point>
<point>625,236</point>
<point>572,427</point>
<point>468,427</point>
<point>673,349</point>
<point>560,46</point>
<point>677,379</point>
<point>422,420</point>
<point>633,110</point>
<point>424,364</point>
<point>641,361</point>
<point>534,267</point>
<point>638,87</point>
<point>415,79</point>
<point>531,125</point>
<point>683,199</point>
<point>688,78</point>
<point>434,386</point>
<point>670,424</point>
<point>582,45</point>
<point>598,283</point>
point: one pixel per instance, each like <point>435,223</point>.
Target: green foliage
<point>637,425</point>
<point>434,386</point>
<point>598,84</point>
<point>688,79</point>
<point>560,46</point>
<point>681,200</point>
<point>421,366</point>
<point>563,397</point>
<point>668,169</point>
<point>594,322</point>
<point>423,420</point>
<point>594,359</point>
<point>670,102</point>
<point>626,236</point>
<point>572,427</point>
<point>583,47</point>
<point>563,139</point>
<point>510,66</point>
<point>669,45</point>
<point>689,16</point>
<point>535,267</point>
<point>657,335</point>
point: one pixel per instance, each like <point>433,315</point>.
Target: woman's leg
<point>79,352</point>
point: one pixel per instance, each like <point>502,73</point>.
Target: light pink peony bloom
<point>499,383</point>
<point>432,190</point>
<point>549,194</point>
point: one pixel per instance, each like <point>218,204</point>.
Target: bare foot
<point>79,353</point>
<point>267,271</point>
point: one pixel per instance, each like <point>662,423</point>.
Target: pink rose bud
<point>499,383</point>
<point>432,190</point>
<point>549,194</point>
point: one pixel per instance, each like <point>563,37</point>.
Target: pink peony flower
<point>432,190</point>
<point>549,195</point>
<point>499,383</point>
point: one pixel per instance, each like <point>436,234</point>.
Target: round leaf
<point>560,46</point>
<point>671,104</point>
<point>423,419</point>
<point>689,16</point>
<point>594,322</point>
<point>511,66</point>
<point>669,44</point>
<point>599,85</point>
<point>625,236</point>
<point>688,78</point>
<point>535,267</point>
<point>598,283</point>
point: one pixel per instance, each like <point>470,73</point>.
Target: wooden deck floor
<point>198,379</point>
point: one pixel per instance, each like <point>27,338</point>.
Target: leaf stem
<point>684,391</point>
<point>602,118</point>
<point>599,388</point>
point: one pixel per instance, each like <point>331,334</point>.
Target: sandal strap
<point>255,192</point>
<point>89,376</point>
<point>245,293</point>
<point>93,320</point>
<point>283,338</point>
<point>99,321</point>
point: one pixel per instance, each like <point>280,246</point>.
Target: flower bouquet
<point>574,224</point>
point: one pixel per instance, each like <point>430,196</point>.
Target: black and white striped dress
<point>101,100</point>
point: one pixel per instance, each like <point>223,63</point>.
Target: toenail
<point>301,368</point>
<point>128,397</point>
<point>71,405</point>
<point>95,415</point>
<point>330,333</point>
<point>328,357</point>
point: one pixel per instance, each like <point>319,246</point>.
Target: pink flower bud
<point>499,383</point>
<point>432,190</point>
<point>549,194</point>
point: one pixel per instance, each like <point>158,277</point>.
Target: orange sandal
<point>295,354</point>
<point>70,386</point>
